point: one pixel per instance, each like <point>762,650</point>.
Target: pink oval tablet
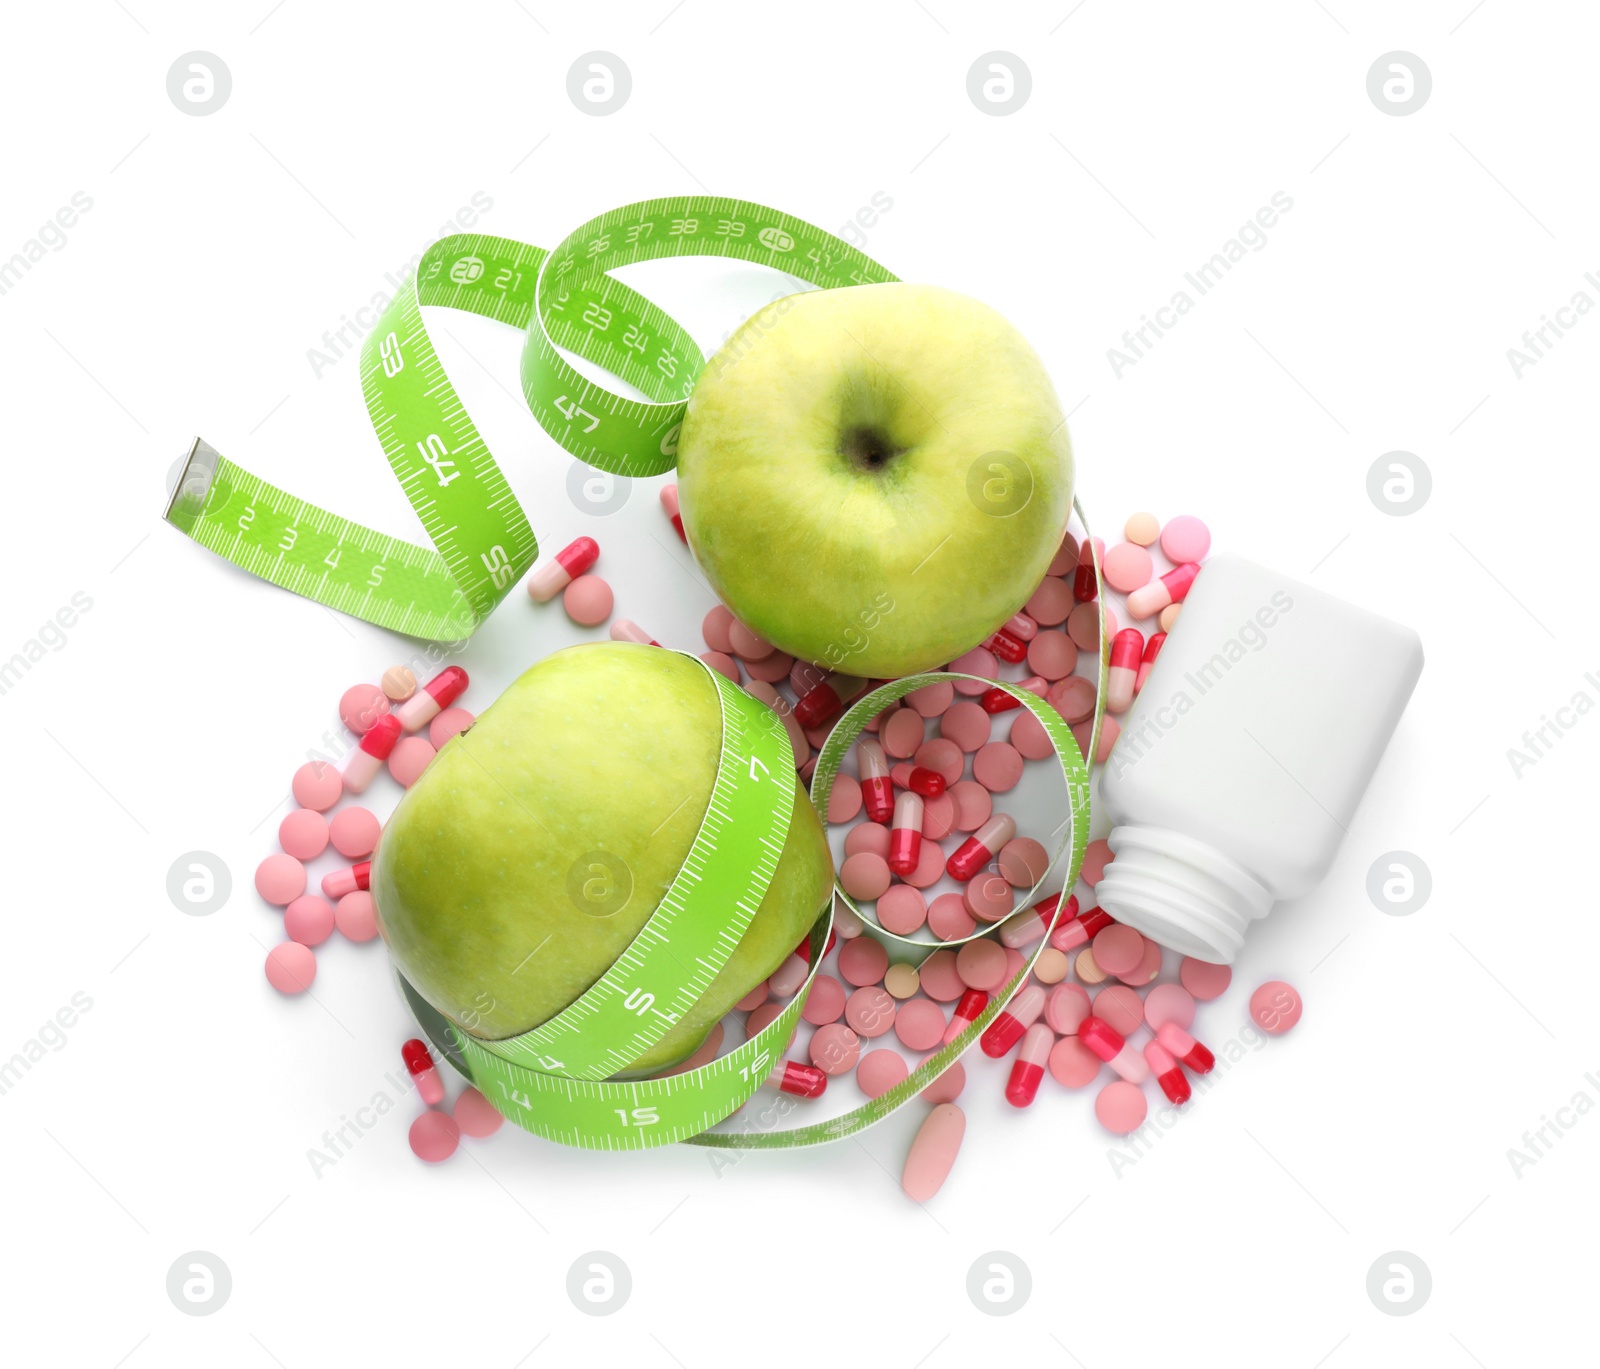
<point>1052,655</point>
<point>303,834</point>
<point>763,1017</point>
<point>933,1152</point>
<point>932,700</point>
<point>1121,1107</point>
<point>1142,529</point>
<point>291,967</point>
<point>988,898</point>
<point>865,876</point>
<point>355,832</point>
<point>1147,969</point>
<point>1203,979</point>
<point>1127,567</point>
<point>844,799</point>
<point>1030,738</point>
<point>588,601</point>
<point>1065,1009</point>
<point>1065,561</point>
<point>450,723</point>
<point>749,645</point>
<point>722,663</point>
<point>716,627</point>
<point>879,1071</point>
<point>1120,1008</point>
<point>938,816</point>
<point>1072,1064</point>
<point>965,724</point>
<point>939,978</point>
<point>973,804</point>
<point>920,1024</point>
<point>409,759</point>
<point>902,734</point>
<point>1185,538</point>
<point>980,661</point>
<point>355,916</point>
<point>944,756</point>
<point>867,838</point>
<point>1169,1003</point>
<point>901,909</point>
<point>862,962</point>
<point>1023,862</point>
<point>1097,855</point>
<point>434,1136</point>
<point>1083,626</point>
<point>318,785</point>
<point>834,1049</point>
<point>981,965</point>
<point>997,766</point>
<point>1073,698</point>
<point>308,920</point>
<point>759,995</point>
<point>475,1115</point>
<point>1275,1007</point>
<point>280,879</point>
<point>362,705</point>
<point>1050,604</point>
<point>770,669</point>
<point>1118,948</point>
<point>869,1012</point>
<point>947,1087</point>
<point>948,918</point>
<point>825,1002</point>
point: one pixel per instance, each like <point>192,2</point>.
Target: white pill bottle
<point>1242,760</point>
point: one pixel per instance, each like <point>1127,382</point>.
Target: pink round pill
<point>1023,862</point>
<point>944,756</point>
<point>948,918</point>
<point>902,734</point>
<point>1097,855</point>
<point>988,898</point>
<point>759,995</point>
<point>354,832</point>
<point>919,1024</point>
<point>930,866</point>
<point>748,644</point>
<point>1120,1008</point>
<point>1169,1003</point>
<point>1185,538</point>
<point>362,705</point>
<point>354,916</point>
<point>434,1136</point>
<point>869,1012</point>
<point>1083,625</point>
<point>1142,529</point>
<point>867,838</point>
<point>1065,561</point>
<point>939,978</point>
<point>844,800</point>
<point>834,1049</point>
<point>1052,655</point>
<point>722,663</point>
<point>997,766</point>
<point>318,785</point>
<point>1118,948</point>
<point>1121,1107</point>
<point>308,920</point>
<point>865,876</point>
<point>980,661</point>
<point>825,1002</point>
<point>901,909</point>
<point>303,834</point>
<point>291,967</point>
<point>588,601</point>
<point>932,700</point>
<point>879,1071</point>
<point>965,724</point>
<point>1203,979</point>
<point>1065,1009</point>
<point>762,1018</point>
<point>938,816</point>
<point>475,1115</point>
<point>1073,698</point>
<point>1275,1007</point>
<point>972,801</point>
<point>409,759</point>
<point>1050,603</point>
<point>981,965</point>
<point>1147,969</point>
<point>770,669</point>
<point>863,962</point>
<point>716,629</point>
<point>1127,567</point>
<point>1072,1064</point>
<point>1030,738</point>
<point>947,1087</point>
<point>450,723</point>
<point>280,879</point>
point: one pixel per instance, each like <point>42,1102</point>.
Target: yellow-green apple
<point>875,478</point>
<point>538,842</point>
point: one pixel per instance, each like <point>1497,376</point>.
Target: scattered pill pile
<point>927,845</point>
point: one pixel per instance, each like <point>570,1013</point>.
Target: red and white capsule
<point>968,1010</point>
<point>1112,1047</point>
<point>981,847</point>
<point>1152,649</point>
<point>1127,647</point>
<point>570,562</point>
<point>362,765</point>
<point>1186,1048</point>
<point>626,630</point>
<point>341,882</point>
<point>919,780</point>
<point>1171,588</point>
<point>877,793</point>
<point>1174,1083</point>
<point>419,1065</point>
<point>433,698</point>
<point>1012,1020</point>
<point>905,836</point>
<point>1024,928</point>
<point>1080,930</point>
<point>804,1081</point>
<point>1028,1068</point>
<point>1008,648</point>
<point>826,698</point>
<point>669,502</point>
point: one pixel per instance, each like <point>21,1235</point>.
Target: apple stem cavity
<point>868,448</point>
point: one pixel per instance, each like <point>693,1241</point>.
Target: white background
<point>179,1113</point>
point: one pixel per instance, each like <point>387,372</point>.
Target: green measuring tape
<point>482,541</point>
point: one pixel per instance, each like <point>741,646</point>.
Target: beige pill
<point>1088,969</point>
<point>1142,529</point>
<point>901,980</point>
<point>1051,967</point>
<point>398,683</point>
<point>1169,616</point>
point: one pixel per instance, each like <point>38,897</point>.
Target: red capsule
<point>1174,1083</point>
<point>998,701</point>
<point>669,502</point>
<point>1083,587</point>
<point>566,566</point>
<point>1007,647</point>
<point>1012,1020</point>
<point>362,765</point>
<point>1081,930</point>
<point>920,780</point>
<point>805,1081</point>
<point>826,699</point>
<point>419,1065</point>
<point>1021,626</point>
<point>877,793</point>
<point>905,837</point>
<point>972,1004</point>
<point>1024,928</point>
<point>1186,1048</point>
<point>1028,1068</point>
<point>1126,649</point>
<point>1152,649</point>
<point>980,848</point>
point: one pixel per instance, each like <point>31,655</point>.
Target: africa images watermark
<point>51,234</point>
<point>1538,742</point>
<point>1537,342</point>
<point>51,1036</point>
<point>1538,1143</point>
<point>51,636</point>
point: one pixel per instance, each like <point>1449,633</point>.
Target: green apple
<point>537,844</point>
<point>875,478</point>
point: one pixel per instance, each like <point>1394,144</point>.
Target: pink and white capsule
<point>363,764</point>
<point>669,502</point>
<point>433,698</point>
<point>1112,1047</point>
<point>1012,1020</point>
<point>1021,626</point>
<point>877,793</point>
<point>570,562</point>
<point>1152,649</point>
<point>972,1004</point>
<point>1127,647</point>
<point>786,980</point>
<point>905,837</point>
<point>1081,930</point>
<point>1028,1068</point>
<point>626,630</point>
<point>341,882</point>
<point>1186,1048</point>
<point>419,1065</point>
<point>1024,928</point>
<point>980,848</point>
<point>1172,1080</point>
<point>1171,588</point>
